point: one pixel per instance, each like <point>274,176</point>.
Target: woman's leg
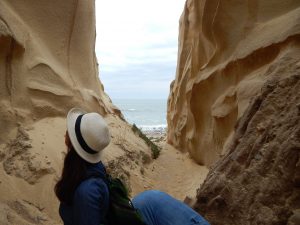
<point>159,208</point>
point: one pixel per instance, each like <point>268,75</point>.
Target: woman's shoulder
<point>91,188</point>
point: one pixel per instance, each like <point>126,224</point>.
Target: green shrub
<point>146,159</point>
<point>155,150</point>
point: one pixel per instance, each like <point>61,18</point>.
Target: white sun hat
<point>88,133</point>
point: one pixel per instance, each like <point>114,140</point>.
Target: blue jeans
<point>158,208</point>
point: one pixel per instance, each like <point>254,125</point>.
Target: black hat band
<point>79,137</point>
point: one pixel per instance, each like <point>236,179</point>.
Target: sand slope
<point>227,51</point>
<point>173,172</point>
<point>31,162</point>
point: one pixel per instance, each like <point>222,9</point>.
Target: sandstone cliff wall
<point>258,181</point>
<point>227,51</point>
<point>47,60</point>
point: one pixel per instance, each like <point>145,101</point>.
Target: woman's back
<point>90,202</point>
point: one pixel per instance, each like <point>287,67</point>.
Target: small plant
<point>155,151</point>
<point>142,171</point>
<point>146,159</point>
<point>154,148</point>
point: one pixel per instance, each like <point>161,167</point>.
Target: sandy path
<point>175,173</point>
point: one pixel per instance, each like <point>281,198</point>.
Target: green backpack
<point>121,210</point>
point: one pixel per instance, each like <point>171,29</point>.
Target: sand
<point>32,162</point>
<point>175,173</point>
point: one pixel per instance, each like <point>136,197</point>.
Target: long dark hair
<point>74,171</point>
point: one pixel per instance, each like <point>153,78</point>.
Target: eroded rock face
<point>227,51</point>
<point>258,181</point>
<point>47,61</point>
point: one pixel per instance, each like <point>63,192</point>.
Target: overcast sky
<point>136,46</point>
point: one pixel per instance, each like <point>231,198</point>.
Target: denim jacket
<point>90,201</point>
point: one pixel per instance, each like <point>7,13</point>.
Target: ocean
<point>147,114</point>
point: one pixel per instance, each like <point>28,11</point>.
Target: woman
<point>83,201</point>
<point>84,196</point>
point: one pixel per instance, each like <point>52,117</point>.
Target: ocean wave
<point>159,127</point>
<point>130,110</point>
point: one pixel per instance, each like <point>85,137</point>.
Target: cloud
<point>136,46</point>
